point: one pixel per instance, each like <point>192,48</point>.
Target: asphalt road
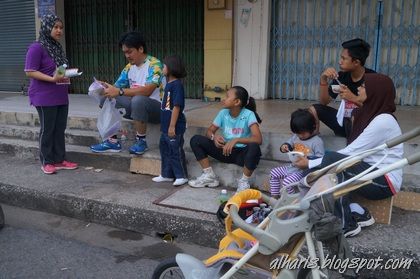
<point>40,245</point>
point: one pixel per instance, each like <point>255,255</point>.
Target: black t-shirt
<point>345,78</point>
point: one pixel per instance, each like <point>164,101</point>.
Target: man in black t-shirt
<point>345,83</point>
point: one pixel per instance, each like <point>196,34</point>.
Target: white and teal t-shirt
<point>150,72</point>
<point>235,127</point>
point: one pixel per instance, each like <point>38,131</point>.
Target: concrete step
<point>73,136</point>
<point>76,124</point>
<point>121,161</point>
<point>82,133</point>
<point>26,149</point>
<point>125,201</point>
<point>150,162</point>
<point>270,147</point>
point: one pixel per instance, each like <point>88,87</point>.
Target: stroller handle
<point>404,137</point>
<point>412,159</point>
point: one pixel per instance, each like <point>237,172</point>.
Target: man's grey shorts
<point>140,108</point>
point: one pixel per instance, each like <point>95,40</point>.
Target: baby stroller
<point>257,252</point>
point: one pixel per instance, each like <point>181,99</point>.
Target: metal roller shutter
<point>306,38</point>
<point>93,29</point>
<point>17,29</point>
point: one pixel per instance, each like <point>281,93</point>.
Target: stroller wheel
<point>168,269</point>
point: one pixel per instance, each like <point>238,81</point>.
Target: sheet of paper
<point>340,113</point>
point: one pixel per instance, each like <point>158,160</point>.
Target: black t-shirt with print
<point>174,96</point>
<point>345,78</point>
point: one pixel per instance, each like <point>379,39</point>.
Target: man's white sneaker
<point>162,179</point>
<point>180,181</point>
<point>242,185</point>
<point>205,180</point>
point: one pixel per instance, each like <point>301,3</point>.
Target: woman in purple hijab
<point>48,92</point>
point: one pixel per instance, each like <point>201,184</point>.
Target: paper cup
<point>335,88</point>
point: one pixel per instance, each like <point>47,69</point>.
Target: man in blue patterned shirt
<point>137,90</point>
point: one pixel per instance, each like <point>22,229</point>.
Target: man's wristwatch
<point>212,137</point>
<point>121,93</point>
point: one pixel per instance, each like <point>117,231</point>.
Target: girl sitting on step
<point>238,142</point>
<point>304,139</point>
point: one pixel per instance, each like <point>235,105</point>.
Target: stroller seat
<point>236,243</point>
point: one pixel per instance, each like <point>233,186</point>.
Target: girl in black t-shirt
<point>173,124</point>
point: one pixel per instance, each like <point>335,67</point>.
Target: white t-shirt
<point>381,129</point>
<point>137,76</point>
<point>150,72</point>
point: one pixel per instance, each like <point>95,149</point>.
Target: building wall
<point>306,38</point>
<point>17,33</point>
<point>59,11</point>
<point>217,49</point>
<point>251,46</point>
<point>218,41</point>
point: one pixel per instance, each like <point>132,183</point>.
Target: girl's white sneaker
<point>180,181</point>
<point>162,179</point>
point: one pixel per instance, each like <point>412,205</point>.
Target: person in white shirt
<point>373,125</point>
<point>137,90</point>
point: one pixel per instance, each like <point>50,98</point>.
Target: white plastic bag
<point>109,119</point>
<point>96,90</point>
